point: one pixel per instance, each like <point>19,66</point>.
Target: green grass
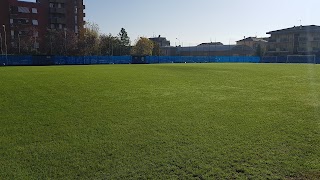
<point>171,121</point>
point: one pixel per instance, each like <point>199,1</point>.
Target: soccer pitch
<point>165,121</point>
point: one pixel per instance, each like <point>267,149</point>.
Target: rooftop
<point>253,39</point>
<point>311,28</point>
<point>211,48</point>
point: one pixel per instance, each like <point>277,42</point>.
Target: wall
<point>87,60</point>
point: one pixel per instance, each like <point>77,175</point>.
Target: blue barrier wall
<point>81,60</point>
<point>290,59</point>
<point>16,60</point>
<point>87,60</point>
<point>202,59</point>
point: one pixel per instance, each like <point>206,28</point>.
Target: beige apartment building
<point>253,42</point>
<point>298,40</point>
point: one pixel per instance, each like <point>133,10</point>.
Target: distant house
<point>209,50</point>
<point>253,42</point>
<point>211,43</point>
<point>297,40</point>
<point>162,41</point>
<point>216,50</point>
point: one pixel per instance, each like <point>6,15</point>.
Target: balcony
<point>57,10</point>
<point>19,22</point>
<point>303,39</point>
<point>57,1</point>
<point>58,21</point>
<point>316,39</point>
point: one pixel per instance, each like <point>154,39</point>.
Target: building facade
<point>300,40</point>
<point>209,50</point>
<point>161,41</point>
<point>27,23</point>
<point>253,42</point>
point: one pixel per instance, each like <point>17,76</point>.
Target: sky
<point>191,22</point>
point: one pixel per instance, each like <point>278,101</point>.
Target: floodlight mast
<point>5,42</point>
<point>1,43</point>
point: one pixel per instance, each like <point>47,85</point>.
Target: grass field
<point>171,121</point>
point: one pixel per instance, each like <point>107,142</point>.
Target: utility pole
<point>19,42</point>
<point>1,43</point>
<point>5,41</point>
<point>65,40</point>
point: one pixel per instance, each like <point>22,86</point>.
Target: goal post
<point>311,59</point>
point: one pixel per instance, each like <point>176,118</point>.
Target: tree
<point>143,47</point>
<point>156,51</point>
<point>27,41</point>
<point>61,42</point>
<point>89,41</point>
<point>124,47</point>
<point>109,45</point>
<point>124,38</point>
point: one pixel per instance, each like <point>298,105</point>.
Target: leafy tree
<point>124,38</point>
<point>27,42</point>
<point>109,45</point>
<point>61,42</point>
<point>124,47</point>
<point>143,47</point>
<point>156,51</point>
<point>89,41</point>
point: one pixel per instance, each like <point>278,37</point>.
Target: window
<point>23,10</point>
<point>51,5</point>
<point>11,21</point>
<point>34,10</point>
<point>52,26</point>
<point>35,22</point>
<point>60,26</point>
<point>59,5</point>
<point>76,19</point>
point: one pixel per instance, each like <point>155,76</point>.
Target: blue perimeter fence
<point>87,60</point>
<point>12,60</point>
<point>291,59</point>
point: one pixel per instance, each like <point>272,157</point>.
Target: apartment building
<point>253,42</point>
<point>208,50</point>
<point>297,40</point>
<point>25,24</point>
<point>162,41</point>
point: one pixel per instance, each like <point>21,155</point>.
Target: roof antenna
<point>300,24</point>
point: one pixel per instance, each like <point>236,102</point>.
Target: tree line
<point>90,42</point>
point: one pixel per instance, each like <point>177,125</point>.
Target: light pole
<point>5,41</point>
<point>19,42</point>
<point>1,44</point>
<point>65,40</point>
<point>179,41</point>
<point>35,42</point>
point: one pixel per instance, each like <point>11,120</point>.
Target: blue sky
<point>197,21</point>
